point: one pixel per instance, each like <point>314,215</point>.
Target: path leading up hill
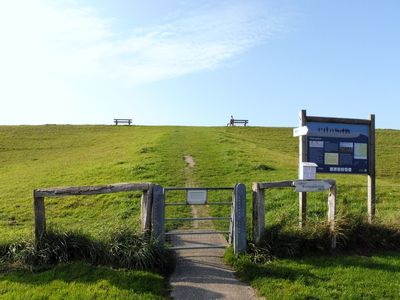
<point>202,273</point>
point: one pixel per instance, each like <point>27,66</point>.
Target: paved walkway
<point>202,273</point>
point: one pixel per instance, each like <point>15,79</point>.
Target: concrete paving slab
<point>202,273</point>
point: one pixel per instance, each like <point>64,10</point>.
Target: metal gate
<point>197,197</point>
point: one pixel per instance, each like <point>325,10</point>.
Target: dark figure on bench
<point>233,121</point>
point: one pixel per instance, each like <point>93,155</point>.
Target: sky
<point>197,62</point>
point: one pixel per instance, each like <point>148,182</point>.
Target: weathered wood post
<point>332,213</point>
<point>303,147</point>
<point>239,220</point>
<point>258,213</point>
<point>372,171</point>
<point>146,209</point>
<point>158,213</point>
<point>40,218</point>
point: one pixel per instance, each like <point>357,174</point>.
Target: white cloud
<point>58,59</point>
<point>70,42</point>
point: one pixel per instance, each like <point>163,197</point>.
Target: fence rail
<point>259,191</point>
<point>91,190</point>
<point>40,194</point>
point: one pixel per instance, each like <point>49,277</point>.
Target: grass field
<point>80,281</point>
<point>44,156</point>
<point>333,277</point>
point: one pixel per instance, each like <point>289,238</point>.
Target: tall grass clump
<point>354,235</point>
<point>120,248</point>
<point>127,250</point>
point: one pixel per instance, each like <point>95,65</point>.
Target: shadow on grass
<point>355,261</point>
<point>250,271</point>
<point>315,271</point>
<point>134,281</point>
<point>295,255</point>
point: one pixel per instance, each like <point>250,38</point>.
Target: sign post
<point>372,171</point>
<point>341,146</point>
<point>303,153</point>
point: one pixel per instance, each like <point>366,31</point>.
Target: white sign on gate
<point>196,197</point>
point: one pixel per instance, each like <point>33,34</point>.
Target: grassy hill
<point>45,156</point>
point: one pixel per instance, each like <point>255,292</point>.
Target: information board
<point>338,148</point>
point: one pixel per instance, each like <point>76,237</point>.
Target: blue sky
<point>198,62</point>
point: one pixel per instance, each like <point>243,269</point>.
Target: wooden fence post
<point>40,218</point>
<point>158,213</point>
<point>146,209</point>
<point>239,220</point>
<point>332,214</point>
<point>258,213</point>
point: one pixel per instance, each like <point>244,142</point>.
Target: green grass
<point>82,281</point>
<point>45,156</point>
<point>325,277</point>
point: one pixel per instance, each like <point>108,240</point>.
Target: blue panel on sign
<point>338,148</point>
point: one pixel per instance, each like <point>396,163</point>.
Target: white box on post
<point>307,170</point>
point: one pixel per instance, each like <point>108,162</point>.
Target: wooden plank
<point>146,209</point>
<point>332,214</point>
<point>338,120</point>
<point>372,171</point>
<point>158,214</point>
<point>91,190</point>
<point>258,213</point>
<point>303,153</point>
<point>313,185</point>
<point>40,219</point>
<point>276,184</point>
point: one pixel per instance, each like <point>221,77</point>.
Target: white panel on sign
<point>311,185</point>
<point>299,131</point>
<point>197,197</point>
<point>307,170</point>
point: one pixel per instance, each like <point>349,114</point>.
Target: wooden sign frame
<point>303,154</point>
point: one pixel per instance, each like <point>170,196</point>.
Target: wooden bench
<point>123,121</point>
<point>232,122</point>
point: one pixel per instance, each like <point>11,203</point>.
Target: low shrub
<point>121,248</point>
<point>353,233</point>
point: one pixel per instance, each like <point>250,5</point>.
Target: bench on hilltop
<point>123,121</point>
<point>232,122</point>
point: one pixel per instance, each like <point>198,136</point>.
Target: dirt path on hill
<point>190,183</point>
<point>202,273</point>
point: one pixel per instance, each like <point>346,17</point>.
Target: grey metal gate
<point>197,197</point>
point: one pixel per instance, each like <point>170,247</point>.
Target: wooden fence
<point>40,194</point>
<point>259,195</point>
